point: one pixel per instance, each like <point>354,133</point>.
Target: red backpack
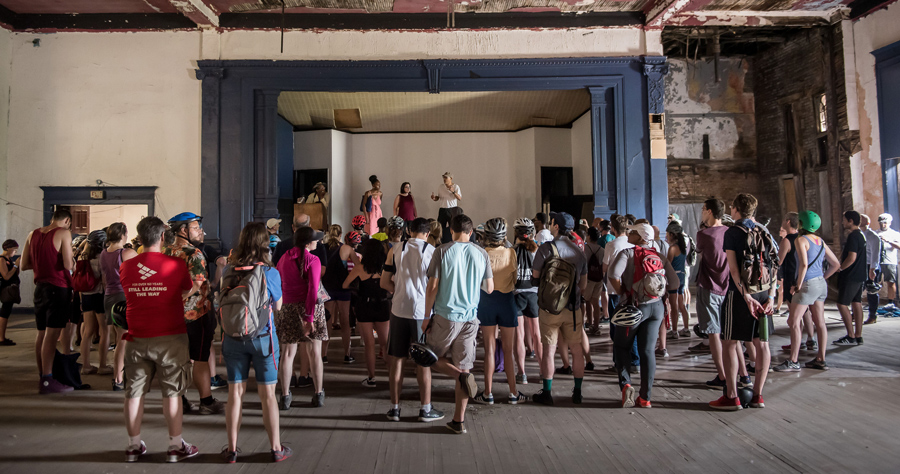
<point>649,282</point>
<point>84,279</point>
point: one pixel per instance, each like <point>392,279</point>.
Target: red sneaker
<point>786,348</point>
<point>643,403</point>
<point>134,452</point>
<point>757,402</point>
<point>627,396</point>
<point>179,453</point>
<point>726,404</point>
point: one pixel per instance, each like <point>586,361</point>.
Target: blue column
<point>210,128</point>
<point>655,70</point>
<point>265,172</point>
<point>604,198</point>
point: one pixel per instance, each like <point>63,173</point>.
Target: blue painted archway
<point>240,103</point>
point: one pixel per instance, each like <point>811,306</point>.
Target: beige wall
<point>5,70</point>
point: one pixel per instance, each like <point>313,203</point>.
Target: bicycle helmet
<point>422,355</point>
<point>395,222</point>
<point>118,314</point>
<point>185,217</point>
<point>873,286</point>
<point>358,221</point>
<point>495,229</point>
<point>524,227</point>
<point>97,237</point>
<point>626,316</point>
<point>353,238</point>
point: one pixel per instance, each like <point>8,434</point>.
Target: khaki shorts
<point>456,339</point>
<point>165,355</point>
<point>552,325</point>
<point>593,290</point>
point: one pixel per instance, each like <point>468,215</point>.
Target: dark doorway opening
<point>558,191</point>
<point>304,180</point>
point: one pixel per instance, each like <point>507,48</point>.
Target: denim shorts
<point>259,352</point>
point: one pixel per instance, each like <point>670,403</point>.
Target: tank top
<point>678,263</point>
<point>335,271</point>
<point>373,299</point>
<point>406,208</point>
<point>47,261</point>
<point>814,269</point>
<point>14,280</point>
<point>109,267</point>
<point>790,261</point>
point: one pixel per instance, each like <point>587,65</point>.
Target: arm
<point>430,295</point>
<point>128,254</point>
<point>348,253</point>
<point>672,253</point>
<point>387,277</point>
<point>413,201</point>
<point>833,263</point>
<point>456,192</point>
<point>278,304</point>
<point>736,276</point>
<point>354,274</point>
<point>314,276</point>
<point>851,257</point>
<point>25,262</point>
<point>397,205</point>
<point>802,263</point>
<point>783,250</point>
<point>672,276</point>
<point>65,248</point>
<point>489,285</point>
<point>7,271</point>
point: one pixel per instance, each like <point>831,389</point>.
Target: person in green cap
<point>809,290</point>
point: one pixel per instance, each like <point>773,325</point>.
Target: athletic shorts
<point>812,291</point>
<point>889,271</point>
<point>566,324</point>
<point>403,332</point>
<point>454,340</point>
<point>262,353</point>
<point>526,302</point>
<point>165,357</point>
<point>680,290</point>
<point>108,302</point>
<point>850,292</point>
<point>52,306</point>
<point>737,322</point>
<point>593,290</point>
<point>498,309</point>
<point>201,333</point>
<point>709,311</point>
<point>92,302</point>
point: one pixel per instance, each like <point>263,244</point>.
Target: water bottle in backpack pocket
<point>759,261</point>
<point>649,283</point>
<point>244,303</point>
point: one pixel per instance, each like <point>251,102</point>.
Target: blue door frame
<point>240,105</point>
<point>887,78</point>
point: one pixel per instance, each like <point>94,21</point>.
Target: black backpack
<point>595,268</point>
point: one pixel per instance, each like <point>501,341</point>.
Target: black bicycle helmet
<point>495,229</point>
<point>626,316</point>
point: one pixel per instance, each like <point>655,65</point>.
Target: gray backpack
<point>245,308</point>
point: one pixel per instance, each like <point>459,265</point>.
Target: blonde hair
<point>333,238</point>
<point>435,233</point>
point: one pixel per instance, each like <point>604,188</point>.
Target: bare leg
<point>233,411</point>
<point>763,358</point>
<point>577,359</point>
<point>519,346</point>
<point>808,326</point>
<point>462,399</point>
<point>662,337</point>
<point>794,321</point>
<point>134,413</point>
<point>202,378</point>
<point>847,318</point>
<point>119,368</point>
<point>585,348</point>
<point>48,349</point>
<point>536,344</point>
<point>508,336</point>
<point>730,362</point>
<point>529,336</point>
<point>87,333</point>
<point>395,378</point>
<point>488,336</point>
<point>270,415</point>
<point>818,317</point>
<point>547,365</point>
<point>682,307</point>
<point>288,352</point>
<point>212,361</point>
<point>423,376</point>
<point>597,312</point>
<point>368,338</point>
<point>383,330</point>
<point>172,412</point>
<point>715,348</point>
<point>68,337</point>
<point>858,319</point>
<point>742,362</point>
<point>344,310</point>
<point>303,356</point>
<point>563,349</point>
<point>316,368</point>
<point>103,347</point>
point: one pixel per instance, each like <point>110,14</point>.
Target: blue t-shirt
<point>273,285</point>
<point>460,268</point>
<point>606,239</point>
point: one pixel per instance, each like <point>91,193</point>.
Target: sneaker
<point>757,402</point>
<point>318,400</point>
<point>641,403</point>
<point>214,408</point>
<point>135,451</point>
<point>324,359</point>
<point>457,427</point>
<point>278,456</point>
<point>786,348</point>
<point>870,321</point>
<point>523,379</point>
<point>788,366</point>
<point>672,334</point>
<point>349,359</point>
<point>431,415</point>
<point>662,353</point>
<point>589,366</point>
<point>180,453</point>
<point>744,381</point>
<point>699,348</point>
<point>543,397</point>
<point>285,402</point>
<point>118,386</point>
<point>716,383</point>
<point>467,381</point>
<point>484,399</point>
<point>817,364</point>
<point>517,399</point>
<point>105,370</point>
<point>368,382</point>
<point>217,382</point>
<point>726,404</point>
<point>230,457</point>
<point>577,398</point>
<point>684,333</point>
<point>303,382</point>
<point>186,405</point>
<point>627,396</point>
<point>859,341</point>
<point>812,345</point>
<point>88,370</point>
<point>845,341</point>
<point>393,414</point>
<point>7,342</point>
<point>563,371</point>
<point>293,381</point>
<point>49,385</point>
<point>530,355</point>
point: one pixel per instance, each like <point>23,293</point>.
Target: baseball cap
<point>272,223</point>
<point>809,221</point>
<point>563,219</point>
<point>644,230</point>
<point>885,217</point>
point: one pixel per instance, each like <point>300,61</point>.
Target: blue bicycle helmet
<point>185,217</point>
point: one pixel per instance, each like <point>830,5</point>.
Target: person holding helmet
<point>185,232</point>
<point>629,265</point>
<point>875,249</point>
<point>891,240</point>
<point>526,293</point>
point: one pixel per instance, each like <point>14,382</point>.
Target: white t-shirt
<point>543,236</point>
<point>411,260</point>
<point>446,199</point>
<point>613,249</point>
<point>890,252</point>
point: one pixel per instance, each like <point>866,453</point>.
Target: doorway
<point>304,180</point>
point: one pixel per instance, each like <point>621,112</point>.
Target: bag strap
<point>821,249</point>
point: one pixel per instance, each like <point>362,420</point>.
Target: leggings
<point>612,302</point>
<point>645,333</point>
<point>6,310</point>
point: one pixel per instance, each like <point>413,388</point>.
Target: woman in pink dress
<point>404,205</point>
<point>373,213</point>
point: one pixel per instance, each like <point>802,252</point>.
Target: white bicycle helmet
<point>524,226</point>
<point>626,316</point>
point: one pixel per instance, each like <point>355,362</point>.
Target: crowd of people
<point>430,291</point>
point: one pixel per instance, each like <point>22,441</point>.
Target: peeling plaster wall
<point>5,72</point>
<point>871,32</point>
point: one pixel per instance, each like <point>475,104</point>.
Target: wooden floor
<point>842,420</point>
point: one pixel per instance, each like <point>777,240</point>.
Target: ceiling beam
<point>198,11</point>
<point>661,11</point>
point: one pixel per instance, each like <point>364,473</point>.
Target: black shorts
<point>527,305</point>
<point>403,332</point>
<point>737,322</point>
<point>52,306</point>
<point>201,333</point>
<point>850,292</point>
<point>374,313</point>
<point>93,303</point>
<point>498,309</point>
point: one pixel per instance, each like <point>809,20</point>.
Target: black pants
<point>444,216</point>
<point>6,310</point>
<point>645,333</point>
<point>612,302</point>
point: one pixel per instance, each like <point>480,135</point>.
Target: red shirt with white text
<point>153,285</point>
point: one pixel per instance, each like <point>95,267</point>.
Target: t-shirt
<point>569,252</point>
<point>890,252</point>
<point>285,245</point>
<point>873,249</point>
<point>606,239</point>
<point>504,267</point>
<point>198,304</point>
<point>446,199</point>
<point>622,269</point>
<point>411,261</point>
<point>460,268</point>
<point>859,271</point>
<point>153,285</point>
<point>611,250</point>
<point>543,236</point>
<point>713,272</point>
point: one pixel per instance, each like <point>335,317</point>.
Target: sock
<point>395,406</point>
<point>206,400</point>
<point>134,440</point>
<point>425,407</point>
<point>548,385</point>
<point>175,441</point>
<point>578,381</point>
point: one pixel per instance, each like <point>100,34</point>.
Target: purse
<point>11,294</point>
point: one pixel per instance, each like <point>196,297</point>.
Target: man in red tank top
<point>48,251</point>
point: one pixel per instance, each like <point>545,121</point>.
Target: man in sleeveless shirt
<point>48,251</point>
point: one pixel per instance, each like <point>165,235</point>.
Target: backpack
<point>649,283</point>
<point>595,268</point>
<point>557,285</point>
<point>244,306</point>
<point>691,257</point>
<point>759,261</point>
<point>524,260</point>
<point>84,279</point>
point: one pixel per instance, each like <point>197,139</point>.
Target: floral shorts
<point>289,324</point>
